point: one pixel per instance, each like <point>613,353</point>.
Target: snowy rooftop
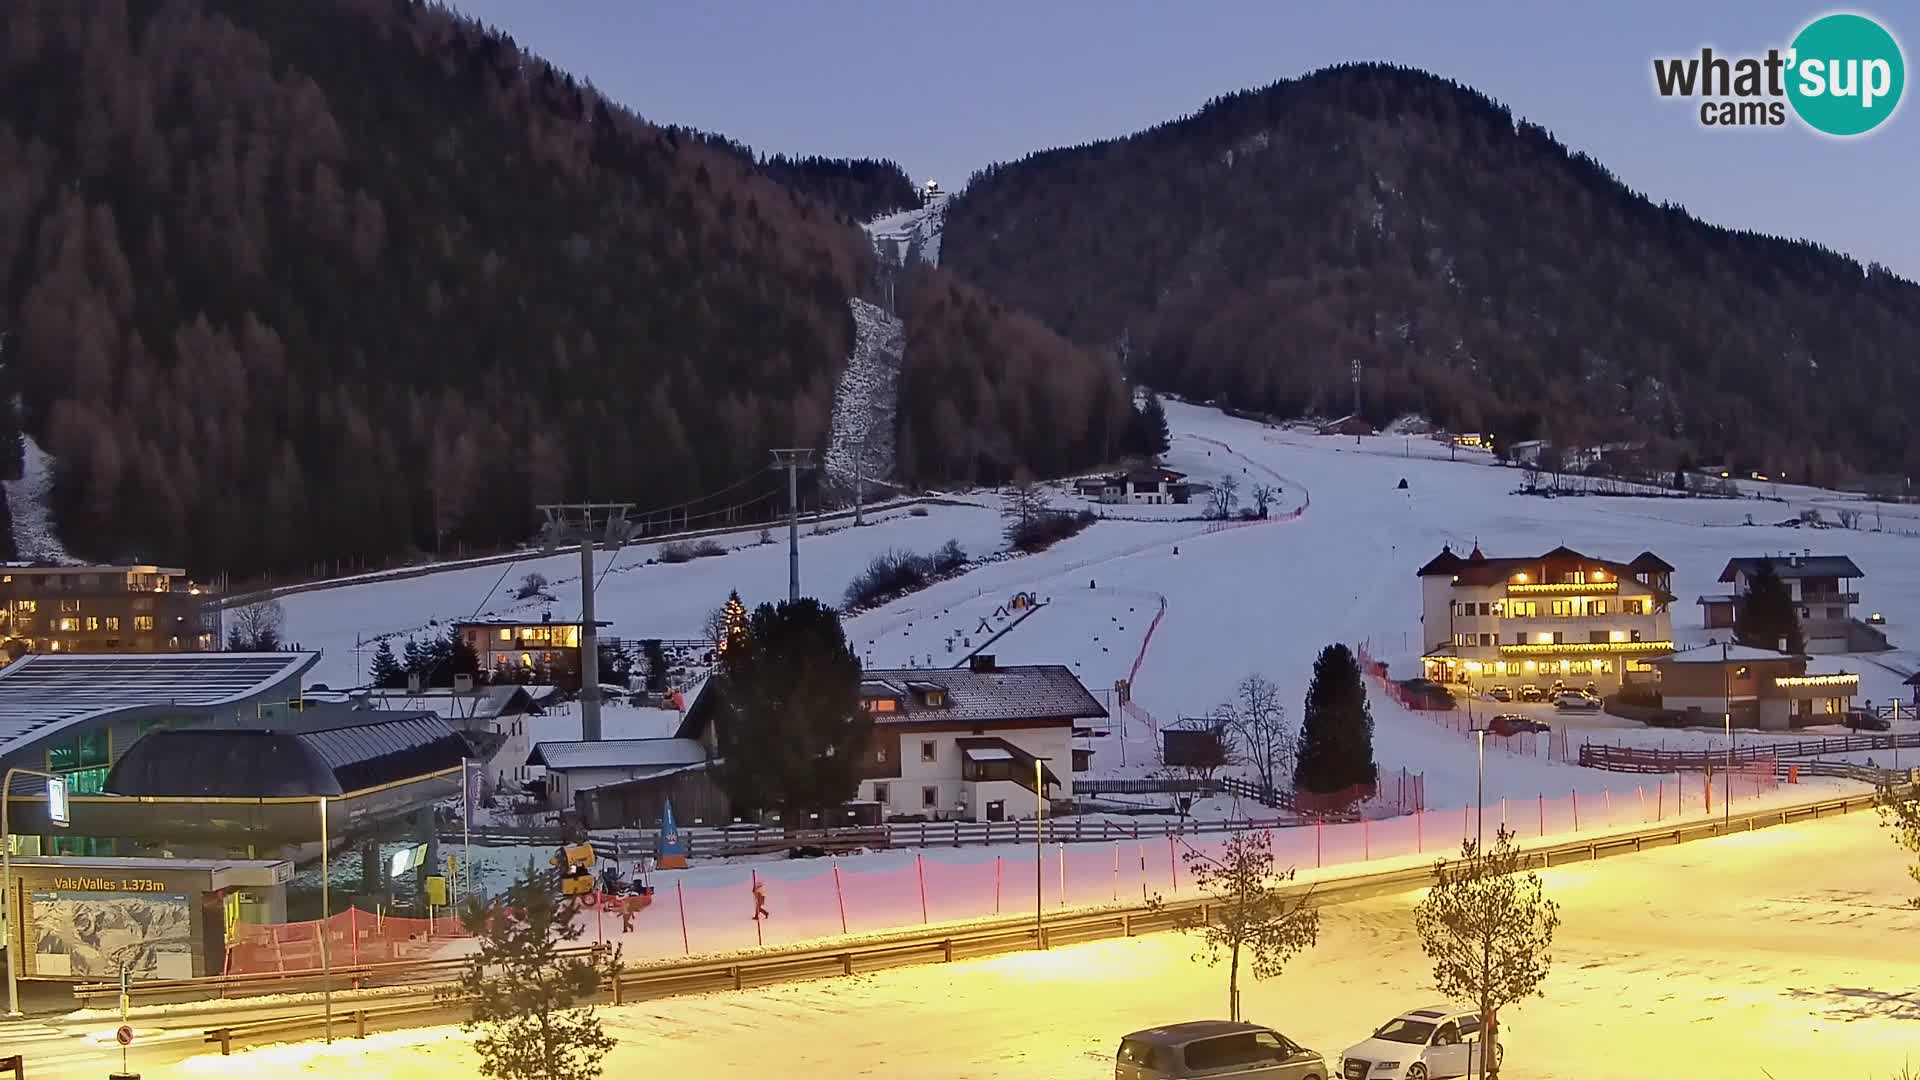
<point>46,690</point>
<point>1019,692</point>
<point>618,753</point>
<point>1795,566</point>
<point>1714,654</point>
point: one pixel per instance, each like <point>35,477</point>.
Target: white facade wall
<point>908,792</point>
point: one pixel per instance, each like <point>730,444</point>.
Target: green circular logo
<point>1846,75</point>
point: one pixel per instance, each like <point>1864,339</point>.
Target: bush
<point>918,511</point>
<point>688,550</point>
<point>534,584</point>
<point>897,573</point>
<point>1044,530</point>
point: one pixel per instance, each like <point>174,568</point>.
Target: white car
<point>1424,1044</point>
<point>1575,701</point>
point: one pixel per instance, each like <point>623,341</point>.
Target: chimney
<point>981,662</point>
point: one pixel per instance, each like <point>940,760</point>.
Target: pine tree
<point>460,659</point>
<point>386,672</point>
<point>1157,438</point>
<point>790,732</point>
<point>1767,615</point>
<point>412,661</point>
<point>526,994</point>
<point>1336,733</point>
<point>733,622</point>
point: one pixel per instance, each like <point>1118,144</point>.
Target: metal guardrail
<point>1015,933</point>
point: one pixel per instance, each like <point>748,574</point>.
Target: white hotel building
<point>1561,615</point>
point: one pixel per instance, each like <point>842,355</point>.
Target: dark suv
<point>1215,1048</point>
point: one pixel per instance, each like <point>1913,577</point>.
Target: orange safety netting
<point>353,937</point>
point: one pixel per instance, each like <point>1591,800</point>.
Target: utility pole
<point>793,460</point>
<point>859,469</point>
<point>592,522</point>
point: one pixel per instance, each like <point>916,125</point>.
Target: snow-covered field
<point>33,535</point>
<point>1762,954</point>
<point>1259,598</point>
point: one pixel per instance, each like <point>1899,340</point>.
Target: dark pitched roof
<point>1649,562</point>
<point>324,752</point>
<point>1154,475</point>
<point>1444,563</point>
<point>617,753</point>
<point>1794,566</point>
<point>1487,571</point>
<point>1019,692</point>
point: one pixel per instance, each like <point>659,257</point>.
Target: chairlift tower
<point>588,524</point>
<point>793,460</point>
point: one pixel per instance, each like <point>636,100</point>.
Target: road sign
<point>124,1035</point>
<point>57,801</point>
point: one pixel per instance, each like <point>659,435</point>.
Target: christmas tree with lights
<point>735,621</point>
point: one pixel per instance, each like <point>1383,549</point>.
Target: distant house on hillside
<point>506,645</point>
<point>1151,485</point>
<point>1527,453</point>
<point>1822,590</point>
<point>1347,425</point>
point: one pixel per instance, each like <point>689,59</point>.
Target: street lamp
<point>1726,782</point>
<point>1039,849</point>
<point>1480,788</point>
<point>11,920</point>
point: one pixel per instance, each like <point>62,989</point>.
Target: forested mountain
<point>859,188</point>
<point>1479,271</point>
<point>988,395</point>
<point>300,281</point>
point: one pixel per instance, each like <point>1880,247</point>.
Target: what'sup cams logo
<point>1842,75</point>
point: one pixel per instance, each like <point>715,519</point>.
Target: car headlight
<point>1386,1066</point>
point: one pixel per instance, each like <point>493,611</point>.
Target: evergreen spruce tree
<point>460,659</point>
<point>412,660</point>
<point>789,729</point>
<point>1767,614</point>
<point>386,672</point>
<point>735,622</point>
<point>1336,731</point>
<point>1153,424</point>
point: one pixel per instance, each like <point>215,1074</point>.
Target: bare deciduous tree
<point>532,585</point>
<point>714,626</point>
<point>1900,812</point>
<point>1489,932</point>
<point>1258,721</point>
<point>1263,496</point>
<point>257,627</point>
<point>1253,910</point>
<point>1225,495</point>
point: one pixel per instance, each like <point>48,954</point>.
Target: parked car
<point>1859,719</point>
<point>1514,724</point>
<point>1530,692</point>
<point>1575,701</point>
<point>1500,693</point>
<point>1427,694</point>
<point>1424,1044</point>
<point>1215,1048</point>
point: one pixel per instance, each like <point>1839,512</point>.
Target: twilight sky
<point>947,89</point>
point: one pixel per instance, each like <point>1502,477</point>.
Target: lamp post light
<point>11,919</point>
<point>1726,783</point>
<point>1039,850</point>
<point>1480,788</point>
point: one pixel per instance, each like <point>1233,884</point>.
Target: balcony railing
<point>1563,588</point>
<point>1575,648</point>
<point>1831,598</point>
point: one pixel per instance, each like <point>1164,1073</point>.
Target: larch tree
<point>1488,928</point>
<point>1255,913</point>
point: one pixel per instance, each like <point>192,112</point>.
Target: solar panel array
<point>41,690</point>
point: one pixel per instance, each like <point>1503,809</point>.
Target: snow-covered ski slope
<point>34,538</point>
<point>863,403</point>
<point>911,234</point>
<point>1263,597</point>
